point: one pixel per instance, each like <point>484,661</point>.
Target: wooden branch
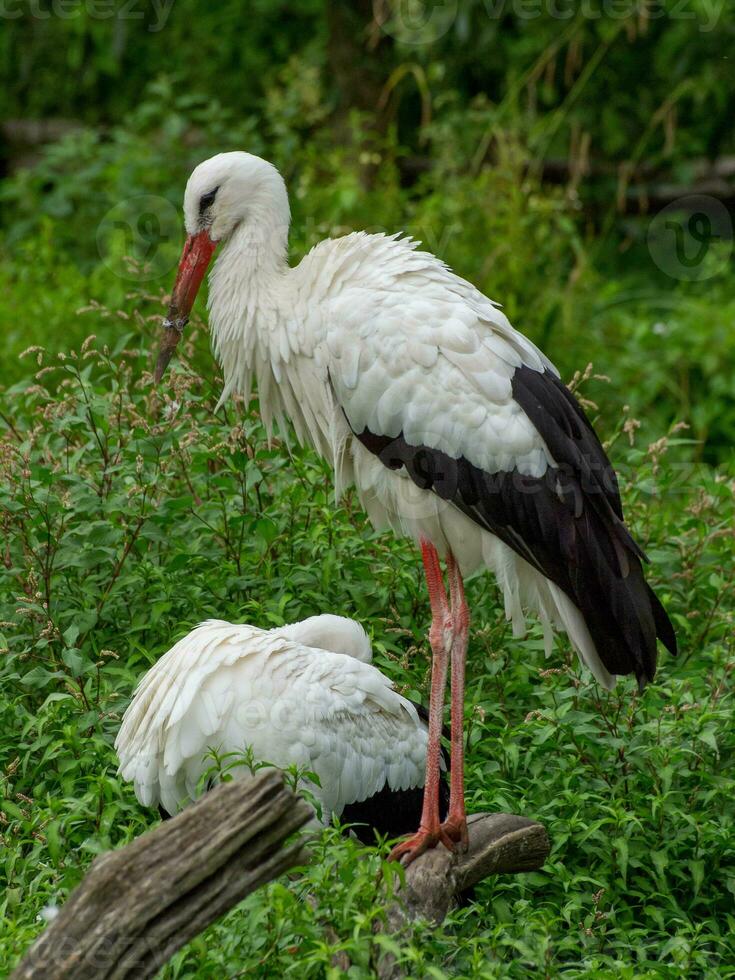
<point>35,132</point>
<point>138,905</point>
<point>500,843</point>
<point>647,188</point>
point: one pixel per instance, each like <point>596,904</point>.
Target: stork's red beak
<point>198,251</point>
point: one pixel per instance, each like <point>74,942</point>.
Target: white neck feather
<point>255,315</point>
<point>245,294</point>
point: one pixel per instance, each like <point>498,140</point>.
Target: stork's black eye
<point>207,200</point>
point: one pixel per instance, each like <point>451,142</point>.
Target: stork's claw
<point>455,829</point>
<point>408,850</point>
<point>424,840</point>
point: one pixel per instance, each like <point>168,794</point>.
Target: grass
<point>129,516</point>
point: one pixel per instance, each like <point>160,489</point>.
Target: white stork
<point>305,694</point>
<point>454,427</point>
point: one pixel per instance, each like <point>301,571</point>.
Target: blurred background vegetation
<point>576,161</point>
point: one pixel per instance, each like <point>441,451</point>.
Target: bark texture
<point>138,905</point>
<point>500,843</point>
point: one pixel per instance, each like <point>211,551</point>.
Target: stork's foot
<point>455,828</point>
<point>415,845</point>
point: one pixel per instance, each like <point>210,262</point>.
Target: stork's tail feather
<point>625,638</point>
<point>615,628</point>
<point>664,628</point>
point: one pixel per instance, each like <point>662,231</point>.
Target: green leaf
<point>621,849</point>
<point>660,861</point>
<point>73,659</point>
<point>70,634</point>
<point>709,738</point>
<point>697,871</point>
<point>39,677</point>
<point>52,832</point>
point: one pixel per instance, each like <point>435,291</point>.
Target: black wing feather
<point>567,524</point>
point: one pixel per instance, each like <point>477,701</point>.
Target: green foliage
<point>534,60</point>
<point>95,59</point>
<point>130,515</point>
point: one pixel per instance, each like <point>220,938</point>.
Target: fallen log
<point>138,905</point>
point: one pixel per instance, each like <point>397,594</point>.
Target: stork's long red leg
<point>441,639</point>
<point>455,826</point>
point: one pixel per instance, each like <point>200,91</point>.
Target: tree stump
<point>138,905</point>
<point>500,843</point>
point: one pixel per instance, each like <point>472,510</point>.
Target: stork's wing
<point>362,735</point>
<point>447,393</point>
<point>169,726</point>
<point>228,687</point>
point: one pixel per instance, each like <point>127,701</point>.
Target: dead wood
<point>138,905</point>
<point>500,843</point>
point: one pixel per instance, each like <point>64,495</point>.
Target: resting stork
<point>454,427</point>
<point>305,695</point>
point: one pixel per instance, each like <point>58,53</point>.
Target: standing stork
<point>454,427</point>
<point>304,695</point>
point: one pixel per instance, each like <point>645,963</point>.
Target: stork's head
<point>224,193</point>
<point>328,632</point>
